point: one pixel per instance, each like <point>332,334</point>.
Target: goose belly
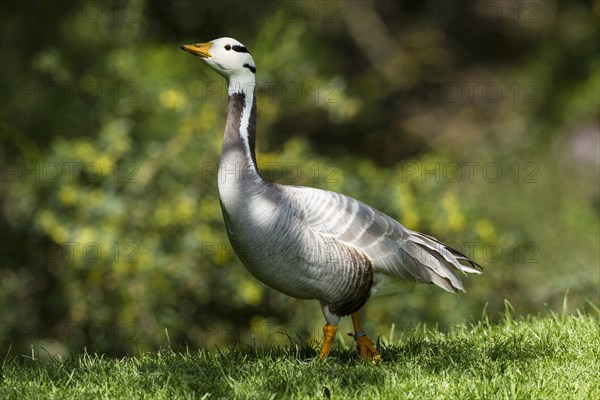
<point>306,268</point>
<point>280,263</point>
<point>274,248</point>
<point>281,266</point>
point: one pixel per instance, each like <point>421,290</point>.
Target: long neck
<point>238,159</point>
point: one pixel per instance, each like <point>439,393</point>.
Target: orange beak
<point>198,49</point>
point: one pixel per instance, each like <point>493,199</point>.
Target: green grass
<point>553,357</point>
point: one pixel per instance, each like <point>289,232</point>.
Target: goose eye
<point>227,47</point>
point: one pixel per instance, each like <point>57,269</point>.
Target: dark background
<point>476,122</point>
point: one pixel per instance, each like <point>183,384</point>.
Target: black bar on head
<point>240,49</point>
<point>250,67</point>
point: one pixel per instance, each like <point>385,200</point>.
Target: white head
<point>227,56</point>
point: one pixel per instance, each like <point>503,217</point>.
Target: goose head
<point>225,55</point>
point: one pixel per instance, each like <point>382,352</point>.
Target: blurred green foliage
<point>476,122</point>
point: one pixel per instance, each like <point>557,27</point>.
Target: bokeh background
<point>476,122</point>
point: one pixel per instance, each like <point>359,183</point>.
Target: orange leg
<point>329,332</point>
<point>366,347</point>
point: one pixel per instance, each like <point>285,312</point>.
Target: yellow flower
<point>455,219</point>
<point>250,292</point>
<point>67,195</point>
<point>172,98</point>
<point>485,230</point>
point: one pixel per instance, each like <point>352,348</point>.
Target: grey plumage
<point>306,242</point>
<point>392,248</point>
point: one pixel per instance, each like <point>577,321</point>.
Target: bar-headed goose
<point>305,242</point>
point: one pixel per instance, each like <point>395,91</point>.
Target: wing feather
<point>392,248</point>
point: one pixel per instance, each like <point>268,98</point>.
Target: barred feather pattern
<point>392,248</point>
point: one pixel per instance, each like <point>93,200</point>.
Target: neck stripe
<point>240,132</point>
<point>250,67</point>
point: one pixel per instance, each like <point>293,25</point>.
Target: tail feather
<point>429,260</point>
<point>451,255</point>
<point>427,267</point>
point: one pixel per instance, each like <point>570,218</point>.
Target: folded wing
<point>392,248</point>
